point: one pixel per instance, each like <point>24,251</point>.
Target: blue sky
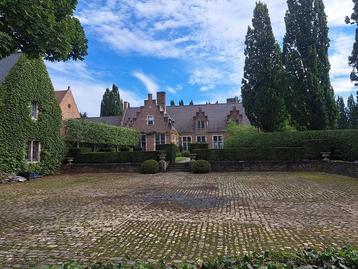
<point>192,49</point>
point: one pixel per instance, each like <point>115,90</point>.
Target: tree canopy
<point>45,28</point>
<point>112,104</point>
<point>263,82</point>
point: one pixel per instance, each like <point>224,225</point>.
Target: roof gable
<point>7,64</point>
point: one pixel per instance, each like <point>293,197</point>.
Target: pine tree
<point>112,104</point>
<point>263,82</point>
<point>343,121</point>
<point>353,59</point>
<point>172,103</point>
<point>352,107</point>
<point>310,102</point>
<point>181,103</point>
<point>191,103</point>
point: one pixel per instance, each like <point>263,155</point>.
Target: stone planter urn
<point>326,155</point>
<point>69,160</point>
<point>193,157</point>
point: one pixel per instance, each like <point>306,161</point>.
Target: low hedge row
<point>116,157</point>
<point>307,259</point>
<point>252,154</point>
<point>170,150</point>
<point>342,143</point>
<point>196,146</point>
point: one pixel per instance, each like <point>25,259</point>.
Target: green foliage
<point>263,84</point>
<point>195,146</point>
<point>343,121</point>
<point>172,103</point>
<point>99,133</point>
<point>306,259</point>
<point>170,150</point>
<point>310,97</point>
<point>200,167</point>
<point>45,28</point>
<point>115,157</point>
<point>112,104</point>
<point>353,59</point>
<point>149,167</point>
<point>181,103</point>
<point>234,129</point>
<point>252,154</point>
<point>343,143</point>
<point>352,111</point>
<point>29,81</point>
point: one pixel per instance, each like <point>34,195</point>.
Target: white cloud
<point>149,83</point>
<point>86,87</point>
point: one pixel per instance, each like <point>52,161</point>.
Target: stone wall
<point>102,168</point>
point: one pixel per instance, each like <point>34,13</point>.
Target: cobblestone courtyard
<point>177,216</point>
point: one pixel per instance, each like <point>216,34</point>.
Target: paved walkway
<point>177,216</point>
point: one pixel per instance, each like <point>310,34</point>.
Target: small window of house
<point>143,142</point>
<point>34,110</point>
<point>33,151</point>
<point>186,141</point>
<point>201,139</point>
<point>218,142</point>
<point>150,120</point>
<point>69,105</point>
<point>200,124</point>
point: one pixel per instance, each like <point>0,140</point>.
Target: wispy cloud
<point>149,83</point>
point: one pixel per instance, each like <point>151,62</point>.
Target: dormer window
<point>34,110</point>
<point>150,120</point>
<point>200,124</point>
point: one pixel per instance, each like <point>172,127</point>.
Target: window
<point>69,106</point>
<point>159,139</point>
<point>201,139</point>
<point>218,142</point>
<point>200,124</point>
<point>150,120</point>
<point>34,110</point>
<point>33,151</point>
<point>186,141</point>
<point>143,142</point>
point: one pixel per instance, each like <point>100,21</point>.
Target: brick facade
<point>68,105</point>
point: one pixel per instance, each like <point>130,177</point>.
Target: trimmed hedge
<point>196,146</point>
<point>116,157</point>
<point>200,167</point>
<point>306,259</point>
<point>170,150</point>
<point>149,167</point>
<point>252,154</point>
<point>82,131</point>
<point>342,143</point>
<point>28,81</point>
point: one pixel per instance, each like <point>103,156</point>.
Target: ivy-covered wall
<point>29,81</point>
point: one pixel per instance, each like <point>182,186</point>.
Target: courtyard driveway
<point>175,216</point>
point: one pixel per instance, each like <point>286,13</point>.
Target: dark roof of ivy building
<point>6,64</point>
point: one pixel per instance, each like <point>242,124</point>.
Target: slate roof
<point>60,95</point>
<point>113,120</point>
<point>216,113</point>
<point>7,64</point>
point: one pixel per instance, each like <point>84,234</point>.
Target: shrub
<point>252,154</point>
<point>150,167</point>
<point>170,150</point>
<point>196,146</point>
<point>200,167</point>
<point>185,154</point>
<point>342,143</point>
<point>116,157</point>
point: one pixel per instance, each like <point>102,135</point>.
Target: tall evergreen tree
<point>352,107</point>
<point>112,104</point>
<point>343,121</point>
<point>353,59</point>
<point>263,82</point>
<point>305,54</point>
<point>181,103</point>
<point>172,103</point>
<point>191,103</point>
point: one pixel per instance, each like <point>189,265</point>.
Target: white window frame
<point>31,151</point>
<point>34,110</point>
<point>165,139</point>
<point>213,141</point>
<point>141,142</point>
<point>201,136</point>
<point>152,119</point>
<point>200,124</point>
<point>186,148</point>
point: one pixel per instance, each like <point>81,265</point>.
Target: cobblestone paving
<point>177,216</point>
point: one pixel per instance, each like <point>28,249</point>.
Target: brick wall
<point>68,107</point>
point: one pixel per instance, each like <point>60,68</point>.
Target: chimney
<point>126,105</point>
<point>68,88</point>
<point>161,100</point>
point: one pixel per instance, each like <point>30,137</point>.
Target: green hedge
<point>200,167</point>
<point>306,259</point>
<point>83,131</point>
<point>29,81</point>
<point>252,154</point>
<point>116,157</point>
<point>170,150</point>
<point>149,167</point>
<point>196,146</point>
<point>342,143</point>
